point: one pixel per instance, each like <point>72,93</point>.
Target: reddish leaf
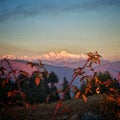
<point>88,89</point>
<point>75,89</point>
<point>47,99</point>
<point>112,89</point>
<point>59,104</point>
<point>84,98</point>
<point>118,100</point>
<point>98,90</point>
<point>97,81</point>
<point>37,81</point>
<point>3,83</point>
<point>108,82</point>
<point>111,98</point>
<point>90,54</point>
<point>9,93</point>
<point>77,95</point>
<point>118,114</point>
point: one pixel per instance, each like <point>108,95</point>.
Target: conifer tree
<point>65,85</point>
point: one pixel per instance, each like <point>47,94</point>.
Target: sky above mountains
<point>35,27</point>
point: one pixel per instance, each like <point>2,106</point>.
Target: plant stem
<point>66,90</point>
<point>19,88</point>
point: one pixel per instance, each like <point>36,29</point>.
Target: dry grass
<point>44,111</point>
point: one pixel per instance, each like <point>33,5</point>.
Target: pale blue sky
<point>34,27</point>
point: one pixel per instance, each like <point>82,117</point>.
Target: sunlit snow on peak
<point>63,55</point>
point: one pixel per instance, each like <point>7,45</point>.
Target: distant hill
<point>112,67</point>
<point>63,71</point>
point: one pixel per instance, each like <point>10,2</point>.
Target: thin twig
<point>19,88</point>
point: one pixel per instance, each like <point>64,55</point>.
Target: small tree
<point>103,82</point>
<point>54,96</point>
<point>39,91</point>
<point>106,77</point>
<point>65,85</point>
<point>83,86</point>
<point>52,79</point>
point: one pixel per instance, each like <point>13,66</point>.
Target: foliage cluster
<point>18,87</point>
<point>96,83</point>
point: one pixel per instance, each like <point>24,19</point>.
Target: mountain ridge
<point>64,71</point>
<point>51,56</point>
<point>61,58</point>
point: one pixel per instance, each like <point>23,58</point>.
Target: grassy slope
<point>44,111</point>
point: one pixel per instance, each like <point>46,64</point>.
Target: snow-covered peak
<point>52,56</point>
<point>63,55</point>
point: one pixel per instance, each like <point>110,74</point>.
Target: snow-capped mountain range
<point>53,56</point>
<point>65,59</point>
<point>63,55</point>
<point>62,58</point>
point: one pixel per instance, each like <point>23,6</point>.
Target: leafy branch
<point>19,91</point>
<point>92,58</point>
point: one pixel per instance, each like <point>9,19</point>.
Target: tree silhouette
<point>65,85</point>
<point>103,82</point>
<point>54,96</point>
<point>52,79</point>
<point>110,82</point>
<point>41,91</point>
